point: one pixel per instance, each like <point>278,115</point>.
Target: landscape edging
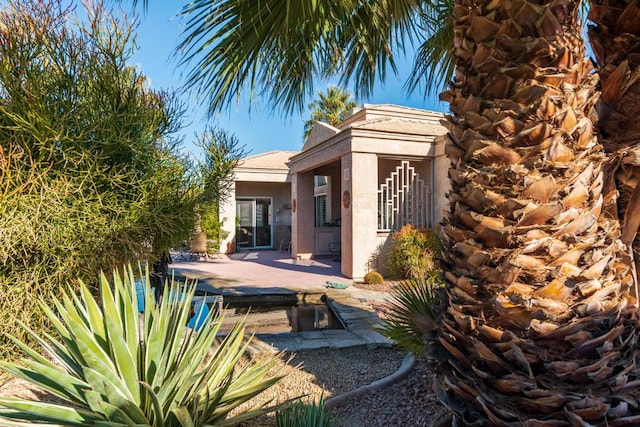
<point>406,366</point>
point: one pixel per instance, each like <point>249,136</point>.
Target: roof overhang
<point>261,175</point>
<point>377,141</point>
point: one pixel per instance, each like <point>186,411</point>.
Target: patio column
<point>359,212</point>
<point>302,215</point>
<point>227,218</point>
<point>441,184</point>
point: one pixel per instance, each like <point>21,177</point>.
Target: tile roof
<point>400,125</point>
<point>276,159</point>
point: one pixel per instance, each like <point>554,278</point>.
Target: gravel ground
<point>409,402</point>
<point>326,372</point>
<point>387,286</point>
<point>331,372</point>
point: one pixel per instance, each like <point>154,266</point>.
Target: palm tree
<point>330,108</point>
<point>539,319</point>
<point>614,38</point>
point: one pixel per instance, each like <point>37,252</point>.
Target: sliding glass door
<point>254,223</point>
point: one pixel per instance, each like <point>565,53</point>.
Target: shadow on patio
<point>262,269</point>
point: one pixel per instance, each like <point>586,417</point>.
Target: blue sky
<point>261,129</point>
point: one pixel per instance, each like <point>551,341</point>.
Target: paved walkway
<point>275,275</point>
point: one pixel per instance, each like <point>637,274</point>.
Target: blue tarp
<point>196,322</point>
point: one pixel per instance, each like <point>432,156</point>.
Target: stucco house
<point>257,215</point>
<point>346,191</point>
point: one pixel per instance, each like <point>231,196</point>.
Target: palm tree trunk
<point>538,326</point>
<point>616,46</point>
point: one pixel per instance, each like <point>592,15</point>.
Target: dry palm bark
<point>616,45</point>
<point>539,322</point>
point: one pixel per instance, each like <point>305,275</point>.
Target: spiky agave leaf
<point>303,414</point>
<point>412,313</point>
<point>113,366</point>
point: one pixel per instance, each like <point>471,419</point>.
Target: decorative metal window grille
<point>403,199</point>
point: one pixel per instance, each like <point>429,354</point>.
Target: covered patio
<point>354,184</point>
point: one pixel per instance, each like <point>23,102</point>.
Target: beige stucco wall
<point>442,185</point>
<point>303,215</point>
<point>363,248</point>
<point>279,192</point>
<point>359,219</point>
<point>381,254</point>
<point>379,251</point>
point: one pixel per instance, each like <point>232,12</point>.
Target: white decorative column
<point>302,215</point>
<point>441,183</point>
<point>227,212</point>
<point>359,212</point>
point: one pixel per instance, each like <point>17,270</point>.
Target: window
<point>321,209</point>
<point>320,180</point>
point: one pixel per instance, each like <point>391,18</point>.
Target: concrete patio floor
<point>264,275</point>
<point>264,269</point>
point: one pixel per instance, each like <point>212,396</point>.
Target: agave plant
<point>303,414</point>
<point>111,366</point>
<point>411,313</point>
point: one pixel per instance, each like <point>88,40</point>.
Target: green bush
<point>91,175</point>
<point>373,278</point>
<point>210,223</point>
<point>411,314</point>
<point>114,367</point>
<point>414,252</point>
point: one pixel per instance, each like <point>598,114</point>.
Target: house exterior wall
<point>379,254</point>
<point>366,158</point>
<point>441,183</point>
<point>336,198</point>
<point>303,215</point>
<point>380,257</point>
<point>359,212</point>
<point>279,192</point>
<point>358,155</point>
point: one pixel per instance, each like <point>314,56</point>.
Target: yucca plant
<point>411,313</point>
<point>303,414</point>
<point>111,366</point>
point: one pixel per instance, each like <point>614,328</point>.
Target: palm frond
<point>434,62</point>
<point>277,48</point>
<point>367,41</point>
<point>412,313</point>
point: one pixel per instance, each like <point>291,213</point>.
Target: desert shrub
<point>373,278</point>
<point>111,366</point>
<point>221,153</point>
<point>414,252</point>
<point>90,174</point>
<point>410,316</point>
<point>210,223</point>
